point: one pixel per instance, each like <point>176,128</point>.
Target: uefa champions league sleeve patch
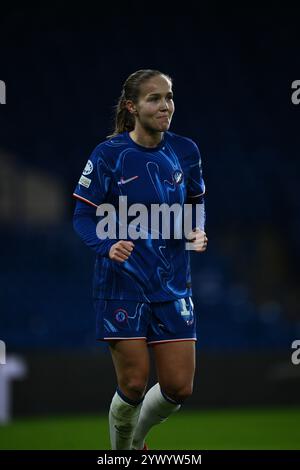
<point>88,168</point>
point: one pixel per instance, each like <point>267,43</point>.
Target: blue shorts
<point>156,322</point>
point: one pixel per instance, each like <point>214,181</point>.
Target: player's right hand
<point>121,251</point>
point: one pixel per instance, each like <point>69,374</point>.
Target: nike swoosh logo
<point>123,181</point>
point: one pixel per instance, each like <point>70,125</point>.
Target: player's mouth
<point>163,118</point>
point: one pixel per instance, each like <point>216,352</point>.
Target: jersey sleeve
<point>196,185</point>
<point>196,189</point>
<point>84,223</point>
<point>94,182</point>
<point>91,191</point>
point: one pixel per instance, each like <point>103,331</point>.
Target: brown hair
<point>123,119</point>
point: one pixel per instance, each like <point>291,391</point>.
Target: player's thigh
<point>175,364</point>
<point>131,360</point>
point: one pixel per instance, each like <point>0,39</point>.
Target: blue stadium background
<point>232,85</point>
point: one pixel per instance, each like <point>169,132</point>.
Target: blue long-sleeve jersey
<point>157,269</point>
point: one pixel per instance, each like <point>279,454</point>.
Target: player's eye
<point>157,98</point>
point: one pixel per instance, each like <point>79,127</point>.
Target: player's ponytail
<point>123,119</point>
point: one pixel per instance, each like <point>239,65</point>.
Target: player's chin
<point>164,126</point>
<point>200,249</point>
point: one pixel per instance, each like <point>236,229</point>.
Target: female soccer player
<point>142,284</point>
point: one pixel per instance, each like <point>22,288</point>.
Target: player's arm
<point>85,222</point>
<point>90,192</point>
<point>195,197</point>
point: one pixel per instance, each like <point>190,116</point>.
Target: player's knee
<point>180,394</point>
<point>134,388</point>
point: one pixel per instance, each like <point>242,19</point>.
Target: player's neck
<point>145,139</point>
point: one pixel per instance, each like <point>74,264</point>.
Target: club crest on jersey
<point>88,168</point>
<point>120,315</point>
<point>178,176</point>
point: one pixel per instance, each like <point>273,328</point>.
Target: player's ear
<point>130,106</point>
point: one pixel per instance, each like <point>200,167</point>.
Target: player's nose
<point>164,105</point>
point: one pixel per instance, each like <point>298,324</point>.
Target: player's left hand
<point>199,239</point>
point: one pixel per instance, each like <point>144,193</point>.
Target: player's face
<point>155,106</point>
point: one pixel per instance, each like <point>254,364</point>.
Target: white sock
<point>122,421</point>
<point>155,409</point>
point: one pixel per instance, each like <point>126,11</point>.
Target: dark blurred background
<point>232,71</point>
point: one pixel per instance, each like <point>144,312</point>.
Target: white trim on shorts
<point>115,337</point>
<point>172,340</point>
